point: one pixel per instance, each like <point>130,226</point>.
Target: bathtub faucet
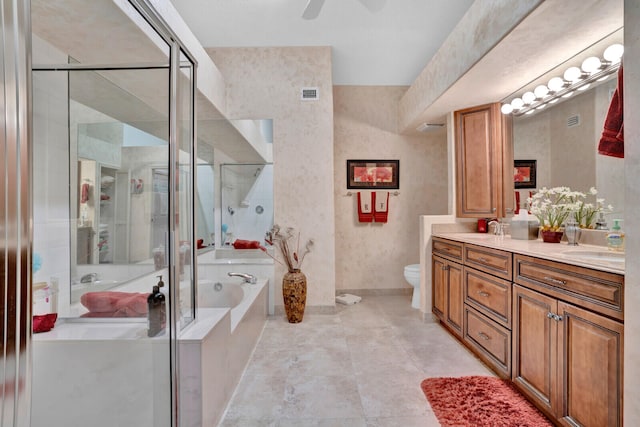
<point>248,278</point>
<point>89,278</point>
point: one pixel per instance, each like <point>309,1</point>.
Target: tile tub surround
<point>78,366</point>
<point>361,367</point>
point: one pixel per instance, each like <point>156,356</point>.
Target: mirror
<point>246,201</point>
<point>563,140</point>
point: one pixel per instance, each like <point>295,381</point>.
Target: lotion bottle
<point>157,314</point>
<point>615,238</point>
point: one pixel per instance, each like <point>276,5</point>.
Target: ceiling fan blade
<point>373,5</point>
<point>313,9</point>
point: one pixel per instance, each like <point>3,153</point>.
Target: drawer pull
<point>484,336</point>
<point>556,281</point>
<point>483,259</point>
<point>483,293</point>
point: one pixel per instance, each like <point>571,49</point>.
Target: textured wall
<point>265,83</point>
<point>373,256</point>
<point>632,220</point>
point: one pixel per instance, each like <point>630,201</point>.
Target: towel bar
<point>394,193</point>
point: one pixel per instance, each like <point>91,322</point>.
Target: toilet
<point>412,276</point>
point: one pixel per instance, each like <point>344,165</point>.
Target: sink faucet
<point>498,229</point>
<point>88,278</point>
<point>248,278</point>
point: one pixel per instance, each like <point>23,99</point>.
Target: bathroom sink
<point>596,256</point>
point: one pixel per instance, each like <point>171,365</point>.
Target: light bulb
<point>591,64</point>
<point>517,103</point>
<point>556,83</point>
<point>541,91</point>
<point>584,87</point>
<point>528,97</point>
<point>506,108</point>
<point>573,74</point>
<point>613,53</point>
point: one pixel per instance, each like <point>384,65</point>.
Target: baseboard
<point>310,309</point>
<point>374,292</point>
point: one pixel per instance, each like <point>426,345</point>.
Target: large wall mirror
<point>563,140</point>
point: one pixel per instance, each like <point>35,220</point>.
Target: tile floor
<point>360,367</point>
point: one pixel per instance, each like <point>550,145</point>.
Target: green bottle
<point>615,238</point>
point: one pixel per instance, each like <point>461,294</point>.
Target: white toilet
<point>412,276</point>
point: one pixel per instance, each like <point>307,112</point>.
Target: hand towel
<point>612,141</point>
<point>365,206</point>
<point>118,304</point>
<point>517,209</point>
<point>381,210</point>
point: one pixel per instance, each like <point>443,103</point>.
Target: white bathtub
<point>76,361</point>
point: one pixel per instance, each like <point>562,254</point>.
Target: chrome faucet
<point>498,228</point>
<point>248,278</point>
<point>89,278</point>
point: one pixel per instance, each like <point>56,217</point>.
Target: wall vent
<point>309,94</point>
<point>573,121</point>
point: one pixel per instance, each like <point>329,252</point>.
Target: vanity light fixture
<point>574,78</point>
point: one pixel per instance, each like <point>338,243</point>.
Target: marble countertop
<point>589,256</point>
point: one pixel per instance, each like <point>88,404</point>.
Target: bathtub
<point>215,264</point>
<point>79,359</point>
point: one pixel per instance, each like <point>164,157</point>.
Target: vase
<point>549,236</point>
<point>573,231</point>
<point>294,293</point>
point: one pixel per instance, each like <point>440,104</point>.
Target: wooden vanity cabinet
<point>566,358</point>
<point>484,162</point>
<point>446,283</point>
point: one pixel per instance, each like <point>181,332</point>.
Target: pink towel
<point>612,141</point>
<point>381,203</point>
<point>115,304</point>
<point>365,206</point>
<point>246,244</point>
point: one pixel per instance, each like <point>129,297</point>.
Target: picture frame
<point>373,174</point>
<point>524,173</point>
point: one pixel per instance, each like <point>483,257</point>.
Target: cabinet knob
<point>484,336</point>
<point>483,293</point>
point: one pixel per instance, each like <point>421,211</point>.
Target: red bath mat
<point>480,402</point>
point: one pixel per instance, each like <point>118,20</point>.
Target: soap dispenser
<point>615,238</point>
<point>157,314</point>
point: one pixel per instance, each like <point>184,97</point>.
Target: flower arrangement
<point>553,206</point>
<point>292,259</point>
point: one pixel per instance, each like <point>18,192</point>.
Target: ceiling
<point>387,47</point>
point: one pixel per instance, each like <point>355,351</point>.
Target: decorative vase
<point>549,236</point>
<point>294,293</point>
<point>573,231</point>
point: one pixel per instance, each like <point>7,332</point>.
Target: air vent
<point>309,94</point>
<point>573,121</point>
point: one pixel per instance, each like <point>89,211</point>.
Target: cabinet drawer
<point>491,342</point>
<point>492,261</point>
<point>489,295</point>
<point>447,248</point>
<point>596,290</point>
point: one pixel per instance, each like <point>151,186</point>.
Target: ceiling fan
<point>314,6</point>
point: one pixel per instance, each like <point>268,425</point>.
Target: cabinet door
<point>534,363</point>
<point>438,286</point>
<point>484,162</point>
<point>454,301</point>
<point>590,368</point>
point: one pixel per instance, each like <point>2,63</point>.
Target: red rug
<point>480,402</point>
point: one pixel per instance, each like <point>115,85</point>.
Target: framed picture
<point>373,174</point>
<point>524,173</point>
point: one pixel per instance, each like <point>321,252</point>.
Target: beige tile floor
<point>360,367</point>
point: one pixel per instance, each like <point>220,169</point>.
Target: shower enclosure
<point>113,191</point>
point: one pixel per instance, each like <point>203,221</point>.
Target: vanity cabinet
<point>484,162</point>
<point>487,305</point>
<point>567,356</point>
<point>446,282</point>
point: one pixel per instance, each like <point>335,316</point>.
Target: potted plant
<point>552,206</point>
<point>294,282</point>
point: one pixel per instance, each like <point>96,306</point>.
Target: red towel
<point>366,214</point>
<point>612,141</point>
<point>116,304</point>
<point>84,193</point>
<point>246,244</point>
<point>381,203</point>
